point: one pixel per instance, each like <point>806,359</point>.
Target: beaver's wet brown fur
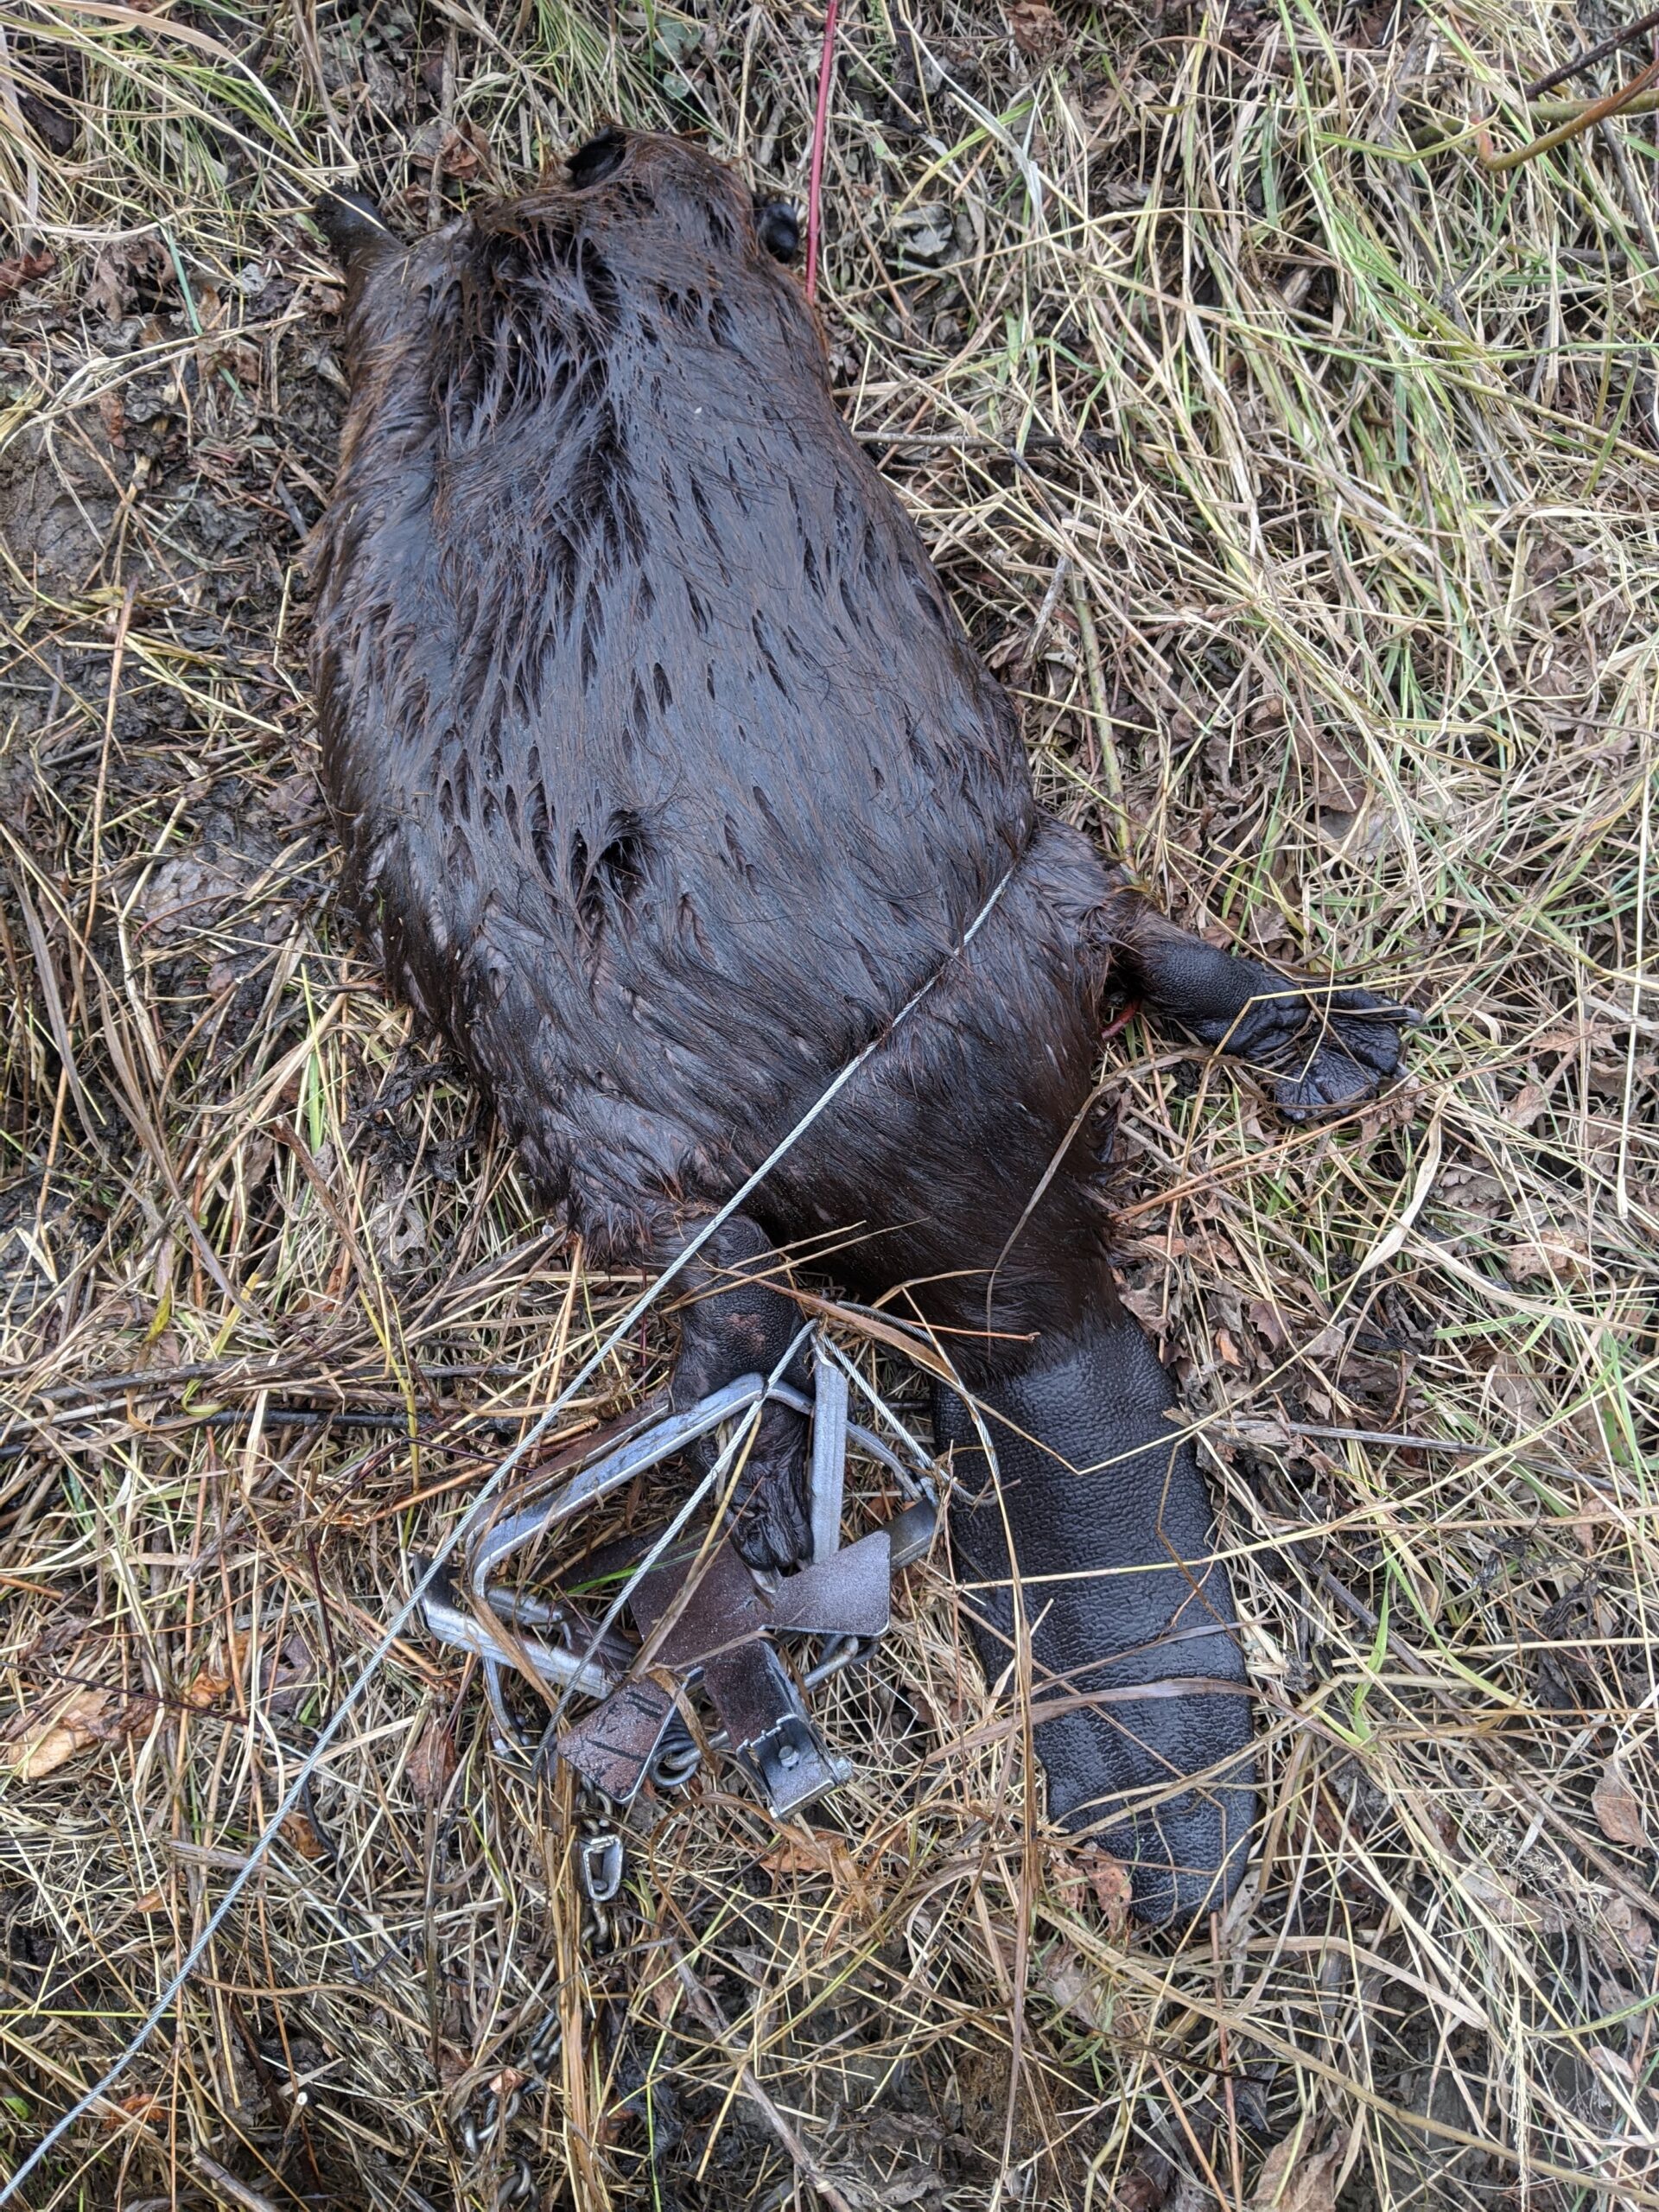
<point>666,775</point>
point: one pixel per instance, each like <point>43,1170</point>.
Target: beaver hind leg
<point>1321,1048</point>
<point>1141,1711</point>
<point>735,1322</point>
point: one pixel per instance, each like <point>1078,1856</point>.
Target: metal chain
<point>600,1860</point>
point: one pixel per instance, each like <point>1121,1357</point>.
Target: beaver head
<point>659,206</point>
<point>643,264</point>
<point>777,225</point>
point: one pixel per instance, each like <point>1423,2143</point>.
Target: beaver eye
<point>601,157</point>
<point>778,228</point>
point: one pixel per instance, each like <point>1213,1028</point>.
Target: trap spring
<point>695,1613</point>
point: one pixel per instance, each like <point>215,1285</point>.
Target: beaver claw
<point>770,1522</point>
<point>770,1518</point>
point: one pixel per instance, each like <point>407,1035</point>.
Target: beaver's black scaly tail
<point>1138,1691</point>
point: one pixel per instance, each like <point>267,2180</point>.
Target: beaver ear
<point>601,157</point>
<point>778,228</point>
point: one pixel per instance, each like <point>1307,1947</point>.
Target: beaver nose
<point>351,222</point>
<point>601,157</point>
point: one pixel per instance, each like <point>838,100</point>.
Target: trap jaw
<point>696,1612</point>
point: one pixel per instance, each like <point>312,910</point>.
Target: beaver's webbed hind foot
<point>1321,1047</point>
<point>735,1322</point>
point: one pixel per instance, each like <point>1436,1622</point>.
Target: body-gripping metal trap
<point>633,1626</point>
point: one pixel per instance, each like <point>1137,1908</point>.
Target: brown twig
<point>820,139</point>
<point>1592,54</point>
<point>226,2184</point>
<point>1594,112</point>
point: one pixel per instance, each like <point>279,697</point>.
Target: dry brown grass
<point>1337,499</point>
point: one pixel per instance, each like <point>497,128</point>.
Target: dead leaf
<point>112,413</point>
<point>207,1690</point>
<point>215,1683</point>
<point>304,1837</point>
<point>1616,1812</point>
<point>53,1741</point>
<point>432,1762</point>
<point>192,892</point>
<point>1085,1874</point>
<point>1507,1386</point>
<point>1584,1035</point>
<point>1035,27</point>
<point>911,2188</point>
<point>1630,1934</point>
<point>1145,2190</point>
<point>55,129</point>
<point>143,2105</point>
<point>1558,1252</point>
<point>1527,1104</point>
<point>1075,1988</point>
<point>120,270</point>
<point>1109,1878</point>
<point>1264,1320</point>
<point>815,1851</point>
<point>460,159</point>
<point>1148,1307</point>
<point>1493,1895</point>
<point>1271,1435</point>
<point>1290,2183</point>
<point>1334,780</point>
<point>25,268</point>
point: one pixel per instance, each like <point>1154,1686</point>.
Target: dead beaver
<point>666,776</point>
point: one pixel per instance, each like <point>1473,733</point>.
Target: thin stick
<point>226,2184</point>
<point>1597,112</point>
<point>1565,111</point>
<point>820,132</point>
<point>1589,57</point>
